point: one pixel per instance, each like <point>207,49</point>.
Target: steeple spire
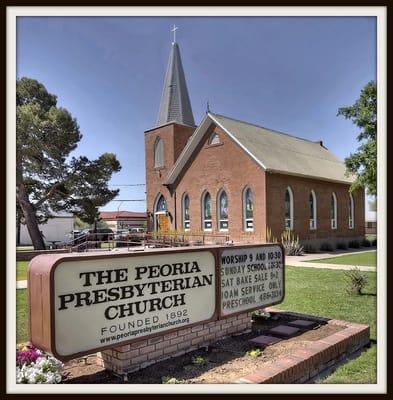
<point>175,103</point>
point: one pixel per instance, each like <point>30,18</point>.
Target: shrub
<point>326,246</point>
<point>366,243</point>
<point>198,360</point>
<point>310,248</point>
<point>374,242</point>
<point>269,237</point>
<point>254,353</point>
<point>354,244</point>
<point>341,246</point>
<point>291,243</point>
<point>355,281</point>
<point>167,380</point>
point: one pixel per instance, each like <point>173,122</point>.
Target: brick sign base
<point>319,358</point>
<point>132,357</point>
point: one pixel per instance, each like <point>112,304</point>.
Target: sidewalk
<point>301,261</point>
<point>21,284</point>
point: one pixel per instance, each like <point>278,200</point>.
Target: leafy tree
<point>363,162</point>
<point>47,179</point>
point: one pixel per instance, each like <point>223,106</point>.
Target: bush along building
<point>232,177</point>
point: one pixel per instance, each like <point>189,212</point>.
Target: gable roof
<point>274,151</point>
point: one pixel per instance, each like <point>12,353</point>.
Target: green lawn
<point>21,270</point>
<point>311,291</point>
<point>322,292</point>
<point>21,316</point>
<point>368,259</point>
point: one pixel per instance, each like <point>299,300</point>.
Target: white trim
<point>333,222</point>
<point>320,178</point>
<point>238,143</point>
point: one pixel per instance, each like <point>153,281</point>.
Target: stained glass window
<point>186,212</point>
<point>248,210</point>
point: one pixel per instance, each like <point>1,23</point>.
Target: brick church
<point>235,178</point>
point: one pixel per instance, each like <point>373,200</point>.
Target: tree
<point>363,162</point>
<point>47,179</point>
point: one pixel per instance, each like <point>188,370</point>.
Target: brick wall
<point>142,353</point>
<point>226,166</point>
<point>223,166</point>
<point>174,137</point>
<point>301,187</point>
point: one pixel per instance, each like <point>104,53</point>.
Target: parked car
<point>121,234</point>
<point>100,235</point>
<point>137,230</point>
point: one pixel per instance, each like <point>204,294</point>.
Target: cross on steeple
<point>175,28</point>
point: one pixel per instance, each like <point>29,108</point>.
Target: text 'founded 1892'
<point>251,278</point>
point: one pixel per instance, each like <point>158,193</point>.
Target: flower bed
<point>34,366</point>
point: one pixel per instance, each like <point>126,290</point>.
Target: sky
<point>290,74</point>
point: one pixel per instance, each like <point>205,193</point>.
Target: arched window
<point>206,212</point>
<point>248,210</point>
<point>313,210</point>
<point>214,139</point>
<point>333,211</point>
<point>351,213</point>
<point>161,222</point>
<point>222,210</point>
<point>158,153</point>
<point>288,208</point>
<point>186,212</point>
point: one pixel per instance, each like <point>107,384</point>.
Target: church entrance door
<point>162,222</point>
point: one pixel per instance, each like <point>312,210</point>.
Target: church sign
<point>80,304</point>
<point>251,278</point>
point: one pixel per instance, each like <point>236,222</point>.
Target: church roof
<point>274,151</point>
<point>175,103</point>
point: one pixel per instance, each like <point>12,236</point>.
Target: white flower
<point>46,369</point>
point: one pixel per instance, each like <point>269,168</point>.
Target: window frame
<point>213,137</point>
<point>244,202</point>
<point>158,142</point>
<point>184,220</point>
<point>291,211</point>
<point>351,212</point>
<point>219,219</point>
<point>333,221</point>
<point>206,220</point>
<point>313,220</point>
<point>156,212</point>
